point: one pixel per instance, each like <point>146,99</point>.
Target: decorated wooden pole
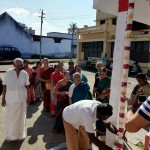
<point>117,68</point>
<point>125,70</point>
<point>120,9</point>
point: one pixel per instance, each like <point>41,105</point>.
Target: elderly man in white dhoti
<point>15,97</point>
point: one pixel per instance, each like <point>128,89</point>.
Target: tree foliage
<point>72,28</point>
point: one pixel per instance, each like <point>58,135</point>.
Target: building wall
<point>93,36</point>
<point>10,35</point>
<point>49,47</point>
<point>66,36</point>
<point>80,54</point>
<point>61,35</point>
<point>105,31</point>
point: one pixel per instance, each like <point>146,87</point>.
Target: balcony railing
<point>135,34</point>
<point>141,34</point>
<point>91,29</point>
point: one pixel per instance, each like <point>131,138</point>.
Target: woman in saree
<point>102,87</point>
<point>55,77</point>
<point>80,90</point>
<point>141,89</point>
<point>83,77</point>
<point>44,77</point>
<point>32,76</point>
<point>61,100</point>
<point>61,66</point>
<point>1,86</point>
<point>37,85</point>
<point>102,91</point>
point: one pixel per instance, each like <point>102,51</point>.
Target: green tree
<point>72,30</point>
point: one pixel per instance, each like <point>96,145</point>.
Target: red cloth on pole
<point>123,5</point>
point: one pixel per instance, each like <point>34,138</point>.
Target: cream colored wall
<point>106,33</point>
<point>90,36</point>
<point>144,67</point>
<point>80,54</point>
<point>108,49</point>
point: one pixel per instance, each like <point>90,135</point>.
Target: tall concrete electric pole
<point>41,16</point>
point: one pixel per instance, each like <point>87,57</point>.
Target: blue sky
<point>59,13</point>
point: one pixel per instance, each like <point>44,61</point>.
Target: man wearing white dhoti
<point>14,97</point>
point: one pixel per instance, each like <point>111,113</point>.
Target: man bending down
<point>79,119</point>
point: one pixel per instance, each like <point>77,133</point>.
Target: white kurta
<point>82,113</point>
<point>15,87</point>
<point>16,95</point>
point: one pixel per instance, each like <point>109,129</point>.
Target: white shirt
<point>71,89</point>
<point>15,87</point>
<point>82,113</point>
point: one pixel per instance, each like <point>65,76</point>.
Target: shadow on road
<point>33,108</point>
<point>42,128</point>
<point>11,146</point>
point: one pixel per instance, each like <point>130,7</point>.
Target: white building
<point>13,33</point>
<point>64,37</point>
<point>19,36</point>
<point>56,44</point>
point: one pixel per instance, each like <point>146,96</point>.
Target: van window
<point>9,52</point>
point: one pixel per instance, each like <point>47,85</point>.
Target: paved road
<point>39,125</point>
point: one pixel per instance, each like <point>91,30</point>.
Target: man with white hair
<point>99,66</point>
<point>15,97</point>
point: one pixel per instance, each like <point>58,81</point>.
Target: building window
<point>112,49</point>
<point>92,49</point>
<point>140,51</point>
<point>102,22</point>
<point>57,40</point>
<point>114,21</point>
<point>36,38</point>
<point>139,26</point>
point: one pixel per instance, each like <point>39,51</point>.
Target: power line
<point>50,17</point>
<point>10,6</point>
<point>58,26</point>
<point>82,15</point>
<point>71,17</point>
